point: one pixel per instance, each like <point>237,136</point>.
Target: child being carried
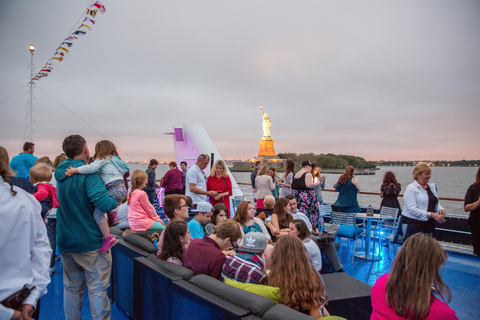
<point>111,170</point>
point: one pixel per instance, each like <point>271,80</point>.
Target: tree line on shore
<point>329,161</point>
<point>438,163</point>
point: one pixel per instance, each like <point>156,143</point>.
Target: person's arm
<point>309,181</point>
<point>88,168</point>
<point>270,226</point>
<point>148,207</point>
<point>217,266</point>
<point>470,203</point>
<point>40,260</point>
<point>381,192</point>
<point>165,180</point>
<point>335,184</point>
<point>42,192</point>
<point>270,182</point>
<point>194,189</point>
<point>355,182</point>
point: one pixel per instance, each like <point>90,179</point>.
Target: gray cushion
<point>255,303</point>
<point>183,272</point>
<point>140,242</point>
<point>282,312</point>
<point>116,232</point>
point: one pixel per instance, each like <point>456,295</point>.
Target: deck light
<point>31,48</point>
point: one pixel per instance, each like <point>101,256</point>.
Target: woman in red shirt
<point>220,181</point>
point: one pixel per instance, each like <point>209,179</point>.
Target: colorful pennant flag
<point>92,12</point>
<point>100,7</point>
<point>59,54</point>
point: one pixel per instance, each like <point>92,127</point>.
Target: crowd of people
<point>76,199</point>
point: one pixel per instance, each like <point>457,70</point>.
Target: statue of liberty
<point>266,123</point>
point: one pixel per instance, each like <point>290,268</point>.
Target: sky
<point>383,80</point>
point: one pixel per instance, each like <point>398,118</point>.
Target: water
<point>452,182</point>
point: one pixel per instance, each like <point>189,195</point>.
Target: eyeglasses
<point>185,205</point>
<point>234,245</point>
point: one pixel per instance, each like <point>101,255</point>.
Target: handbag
<point>15,300</point>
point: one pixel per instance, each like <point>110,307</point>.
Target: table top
<point>365,216</point>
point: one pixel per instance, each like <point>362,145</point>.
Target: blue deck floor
<point>461,273</point>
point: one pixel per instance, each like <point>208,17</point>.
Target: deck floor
<point>461,273</point>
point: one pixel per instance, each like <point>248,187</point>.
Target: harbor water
<point>452,182</point>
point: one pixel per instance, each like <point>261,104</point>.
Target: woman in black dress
<point>472,204</point>
<point>389,191</point>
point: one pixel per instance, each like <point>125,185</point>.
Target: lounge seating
<point>146,287</point>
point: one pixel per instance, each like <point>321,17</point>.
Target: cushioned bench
<point>123,255</point>
<point>255,303</point>
<point>347,297</point>
<point>162,294</point>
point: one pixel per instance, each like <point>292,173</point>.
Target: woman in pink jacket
<point>141,213</point>
<point>407,292</point>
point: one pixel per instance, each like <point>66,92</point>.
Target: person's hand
<point>438,217</point>
<point>212,193</point>
<point>27,311</point>
<point>274,231</point>
<point>442,212</point>
<point>218,197</point>
<point>70,172</point>
<point>17,315</point>
<point>229,253</point>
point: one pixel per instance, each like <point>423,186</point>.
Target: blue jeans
<point>117,192</point>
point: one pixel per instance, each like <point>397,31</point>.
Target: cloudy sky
<point>392,80</point>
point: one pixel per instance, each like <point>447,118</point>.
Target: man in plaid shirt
<point>247,265</point>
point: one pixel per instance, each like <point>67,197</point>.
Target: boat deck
<point>461,273</point>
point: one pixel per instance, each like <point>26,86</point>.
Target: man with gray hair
<point>196,181</point>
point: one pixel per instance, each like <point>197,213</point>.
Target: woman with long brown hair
<point>406,292</point>
<point>281,218</point>
<point>299,229</point>
<point>301,287</point>
<point>389,191</point>
<point>472,204</point>
<point>347,187</point>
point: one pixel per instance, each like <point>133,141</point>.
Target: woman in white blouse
<point>422,206</point>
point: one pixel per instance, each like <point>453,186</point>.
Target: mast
<point>29,120</point>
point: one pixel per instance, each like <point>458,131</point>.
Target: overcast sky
<point>391,80</point>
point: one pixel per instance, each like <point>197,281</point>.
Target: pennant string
<point>59,54</point>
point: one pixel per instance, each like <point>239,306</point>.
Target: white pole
<point>29,120</point>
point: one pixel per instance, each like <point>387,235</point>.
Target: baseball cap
<point>254,242</point>
<point>306,163</point>
<point>203,207</point>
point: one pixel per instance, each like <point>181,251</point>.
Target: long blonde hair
<point>262,170</point>
<point>137,179</point>
<point>213,172</point>
<point>301,287</point>
<point>416,267</point>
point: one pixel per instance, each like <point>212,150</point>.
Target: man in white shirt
<point>24,248</point>
<point>195,181</point>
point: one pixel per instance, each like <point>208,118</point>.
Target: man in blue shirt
<point>23,162</point>
<point>203,216</point>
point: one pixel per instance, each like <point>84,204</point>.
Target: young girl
<point>111,170</point>
<point>141,213</point>
<point>177,238</point>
